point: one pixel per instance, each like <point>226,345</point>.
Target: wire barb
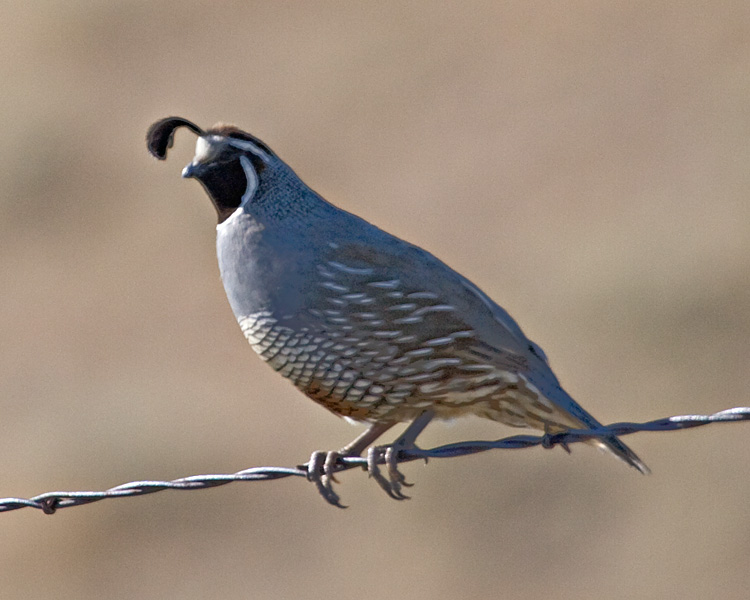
<point>50,502</point>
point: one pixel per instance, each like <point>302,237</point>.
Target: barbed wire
<point>52,501</point>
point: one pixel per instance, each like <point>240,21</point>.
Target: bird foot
<point>321,470</point>
<point>395,480</point>
<point>322,466</point>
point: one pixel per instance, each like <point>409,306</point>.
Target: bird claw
<point>392,484</point>
<point>391,459</point>
<point>320,470</point>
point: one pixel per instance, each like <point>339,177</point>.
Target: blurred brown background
<point>586,163</point>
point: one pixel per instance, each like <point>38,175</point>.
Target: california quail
<point>367,325</point>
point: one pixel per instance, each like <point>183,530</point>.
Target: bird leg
<point>395,480</point>
<point>321,467</point>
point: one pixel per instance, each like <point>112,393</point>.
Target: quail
<point>371,327</point>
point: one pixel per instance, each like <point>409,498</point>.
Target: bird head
<point>228,162</point>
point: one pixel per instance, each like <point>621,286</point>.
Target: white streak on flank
<point>386,334</point>
<point>443,341</point>
<point>334,287</point>
<point>250,147</point>
<point>402,360</point>
<point>338,320</point>
<point>403,388</point>
<point>463,334</point>
<point>386,285</point>
<point>350,270</point>
<point>325,272</point>
<point>252,180</point>
<point>419,352</point>
<point>408,320</point>
<point>407,306</point>
<point>423,296</point>
<point>429,388</point>
<point>437,363</point>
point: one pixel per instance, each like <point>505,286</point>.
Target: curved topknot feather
<point>160,135</point>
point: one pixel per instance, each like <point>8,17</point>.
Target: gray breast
<point>260,269</point>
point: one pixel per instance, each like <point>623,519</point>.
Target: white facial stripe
<point>252,180</point>
<point>203,149</point>
<point>250,147</point>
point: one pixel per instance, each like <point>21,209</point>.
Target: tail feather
<point>615,447</point>
<point>574,413</point>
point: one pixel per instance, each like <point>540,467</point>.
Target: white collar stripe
<point>250,147</point>
<point>252,180</point>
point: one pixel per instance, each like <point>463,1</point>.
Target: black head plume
<point>160,135</point>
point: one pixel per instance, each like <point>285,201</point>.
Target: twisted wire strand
<point>51,501</point>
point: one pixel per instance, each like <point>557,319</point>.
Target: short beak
<point>190,171</point>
